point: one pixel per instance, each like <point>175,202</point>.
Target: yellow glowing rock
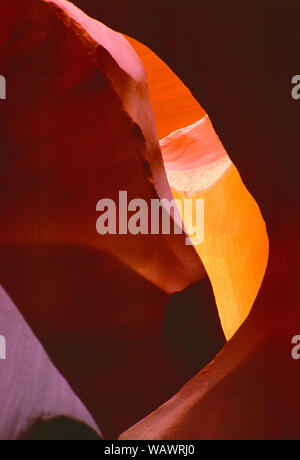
<point>235,247</point>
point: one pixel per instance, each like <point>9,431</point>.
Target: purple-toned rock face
<point>32,392</point>
<point>77,127</point>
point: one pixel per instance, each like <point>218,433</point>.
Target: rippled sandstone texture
<point>242,79</point>
<point>235,246</point>
<point>77,126</point>
<point>254,379</point>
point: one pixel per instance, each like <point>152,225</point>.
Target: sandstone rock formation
<point>33,393</point>
<point>54,266</point>
<point>173,105</point>
<point>76,127</point>
<point>235,246</point>
<point>59,82</point>
<point>242,79</point>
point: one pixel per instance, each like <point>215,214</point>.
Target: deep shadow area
<point>60,429</point>
<point>105,328</point>
<point>193,334</point>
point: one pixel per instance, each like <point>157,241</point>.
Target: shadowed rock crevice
<point>192,327</point>
<point>110,332</point>
<point>31,388</point>
<point>60,429</point>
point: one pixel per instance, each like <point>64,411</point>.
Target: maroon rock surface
<point>246,57</point>
<point>77,127</point>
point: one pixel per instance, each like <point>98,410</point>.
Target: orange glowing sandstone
<point>235,247</point>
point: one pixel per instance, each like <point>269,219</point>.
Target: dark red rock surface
<point>238,59</point>
<point>245,58</point>
<point>77,127</point>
